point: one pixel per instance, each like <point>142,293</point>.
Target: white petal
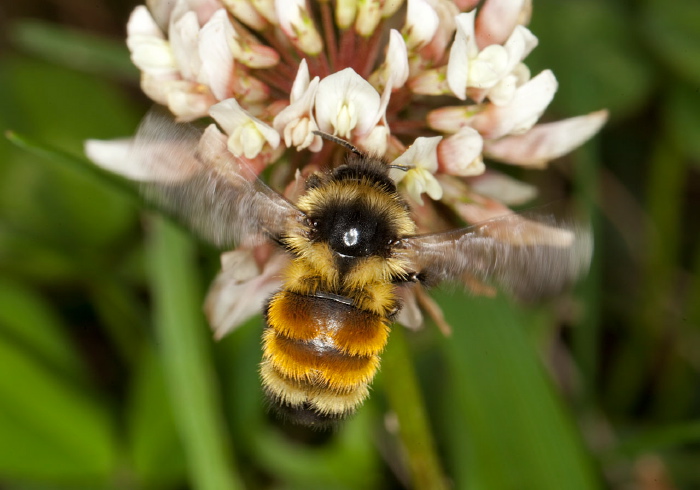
<point>546,142</point>
<point>460,154</point>
<point>421,24</point>
<point>150,52</point>
<point>153,56</point>
<point>433,188</point>
<point>141,23</point>
<point>188,100</point>
<point>459,60</point>
<point>345,12</point>
<point>296,121</point>
<point>246,13</point>
<point>488,67</point>
<point>410,315</point>
<point>421,154</point>
<point>345,103</point>
<point>397,60</point>
<point>527,106</point>
<point>434,51</point>
<point>240,290</point>
<point>503,188</point>
<point>113,155</point>
<point>266,9</point>
<point>247,134</point>
<point>369,14</point>
<point>496,21</point>
<point>183,34</point>
<point>301,82</point>
<point>217,59</point>
<point>297,24</point>
<point>503,92</point>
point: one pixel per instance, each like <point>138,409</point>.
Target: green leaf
<point>75,163</point>
<point>156,451</point>
<point>654,439</point>
<point>29,323</point>
<point>347,460</point>
<point>589,45</point>
<point>51,429</point>
<point>681,117</point>
<point>405,400</point>
<point>515,433</point>
<point>62,202</point>
<point>672,30</point>
<point>185,352</point>
<point>78,50</point>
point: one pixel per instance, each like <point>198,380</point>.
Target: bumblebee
<point>351,244</point>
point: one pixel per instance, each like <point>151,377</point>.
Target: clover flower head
<point>439,88</point>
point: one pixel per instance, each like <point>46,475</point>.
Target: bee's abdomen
<point>319,356</point>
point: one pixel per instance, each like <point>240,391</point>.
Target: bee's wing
<point>192,175</point>
<point>525,258</point>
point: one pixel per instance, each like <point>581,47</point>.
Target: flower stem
<point>404,397</point>
<point>186,359</point>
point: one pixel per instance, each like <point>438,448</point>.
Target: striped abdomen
<point>319,355</point>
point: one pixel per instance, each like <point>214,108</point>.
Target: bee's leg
<point>411,277</point>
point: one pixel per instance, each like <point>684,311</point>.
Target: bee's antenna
<point>405,168</point>
<point>339,141</point>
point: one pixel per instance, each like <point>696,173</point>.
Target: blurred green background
<point>109,377</point>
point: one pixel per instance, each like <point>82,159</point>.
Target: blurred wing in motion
<point>527,259</point>
<point>192,175</point>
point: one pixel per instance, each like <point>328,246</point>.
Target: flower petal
<point>113,155</point>
<point>421,154</point>
<point>421,24</point>
<point>463,48</point>
<point>496,21</point>
<point>183,32</point>
<point>150,52</point>
<point>301,82</point>
<point>369,14</point>
<point>298,25</point>
<point>217,59</point>
<point>528,104</point>
<point>346,103</point>
<point>394,70</point>
<point>296,121</point>
<point>188,100</point>
<point>241,289</point>
<point>246,13</point>
<point>503,188</point>
<point>460,154</point>
<point>247,134</point>
<point>434,52</point>
<point>546,142</point>
<point>345,12</point>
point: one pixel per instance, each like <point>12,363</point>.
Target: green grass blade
<point>72,48</point>
<point>78,164</point>
<point>405,400</point>
<point>187,359</point>
<point>517,432</point>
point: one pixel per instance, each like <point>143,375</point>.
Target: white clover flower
<point>442,96</point>
<point>247,134</point>
<point>296,122</point>
<point>421,161</point>
<point>346,103</point>
<point>286,71</point>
